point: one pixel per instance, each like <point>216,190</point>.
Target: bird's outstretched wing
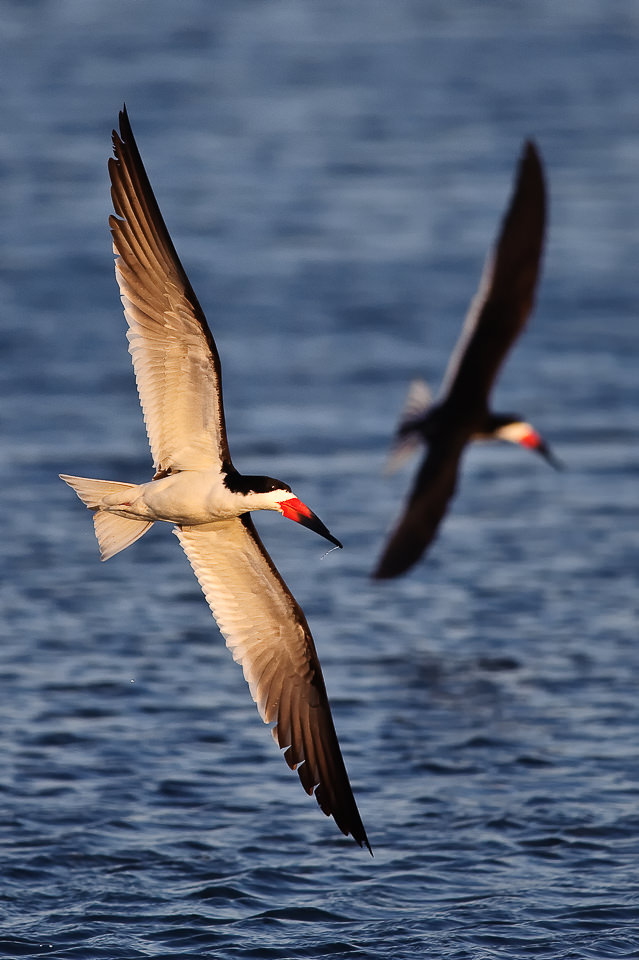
<point>177,367</point>
<point>506,292</point>
<point>432,491</point>
<point>268,635</point>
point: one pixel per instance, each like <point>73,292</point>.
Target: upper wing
<point>267,634</point>
<point>434,487</point>
<point>176,363</point>
<point>506,292</point>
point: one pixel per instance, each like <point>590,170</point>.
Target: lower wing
<point>268,635</point>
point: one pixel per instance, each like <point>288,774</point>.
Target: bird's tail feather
<point>114,533</point>
<point>408,437</point>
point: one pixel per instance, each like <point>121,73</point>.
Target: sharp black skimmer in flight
<point>197,488</point>
<point>495,319</point>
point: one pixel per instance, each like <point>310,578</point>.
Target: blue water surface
<point>332,175</point>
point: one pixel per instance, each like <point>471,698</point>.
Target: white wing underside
<point>175,377</point>
<point>174,356</point>
<point>258,618</point>
<point>267,634</point>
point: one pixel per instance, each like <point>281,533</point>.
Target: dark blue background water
<point>332,174</point>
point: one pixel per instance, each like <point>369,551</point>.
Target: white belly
<point>187,498</point>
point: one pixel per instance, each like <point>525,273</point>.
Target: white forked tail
<point>114,533</point>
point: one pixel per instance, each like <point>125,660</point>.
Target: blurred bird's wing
<point>433,489</point>
<point>506,292</point>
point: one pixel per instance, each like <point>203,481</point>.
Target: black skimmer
<point>496,317</point>
<point>197,488</point>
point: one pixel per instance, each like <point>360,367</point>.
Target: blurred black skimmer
<point>496,317</point>
<point>196,487</point>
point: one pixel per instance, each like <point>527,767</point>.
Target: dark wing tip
<point>383,572</point>
<point>125,125</point>
<point>333,792</point>
<point>356,829</point>
<point>406,545</point>
<point>519,247</point>
<point>419,523</point>
<point>344,812</point>
<point>325,776</point>
<point>531,149</point>
<point>386,567</point>
<point>357,832</point>
<point>124,135</point>
<point>531,170</point>
<point>363,842</point>
<point>124,132</point>
<point>413,535</point>
<point>394,562</point>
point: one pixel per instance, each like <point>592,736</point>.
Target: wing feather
<point>506,292</point>
<point>268,635</point>
<point>433,489</point>
<point>177,367</point>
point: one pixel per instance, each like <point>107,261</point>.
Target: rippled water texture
<point>332,174</point>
